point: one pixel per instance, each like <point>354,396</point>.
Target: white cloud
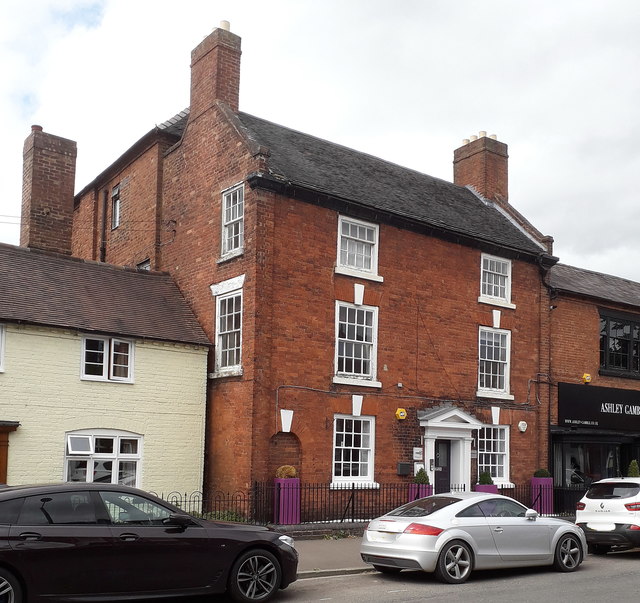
<point>403,80</point>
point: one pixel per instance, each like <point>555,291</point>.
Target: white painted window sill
<point>229,256</point>
<point>231,372</point>
<point>358,274</point>
<point>494,301</point>
<point>485,393</point>
<point>354,381</point>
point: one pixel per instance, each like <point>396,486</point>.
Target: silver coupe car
<point>453,534</point>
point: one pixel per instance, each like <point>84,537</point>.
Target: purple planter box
<point>286,501</point>
<point>542,495</point>
<point>417,491</point>
<point>490,488</point>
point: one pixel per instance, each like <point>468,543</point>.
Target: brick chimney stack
<point>48,181</point>
<point>215,71</point>
<point>482,162</point>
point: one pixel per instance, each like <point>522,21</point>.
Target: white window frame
<point>487,297</point>
<point>353,378</point>
<point>108,353</point>
<point>93,458</point>
<point>115,207</point>
<point>221,291</point>
<point>365,480</point>
<point>351,270</point>
<point>230,249</point>
<point>500,435</point>
<point>2,339</point>
<point>502,392</point>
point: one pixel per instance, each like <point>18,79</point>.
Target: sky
<point>558,81</point>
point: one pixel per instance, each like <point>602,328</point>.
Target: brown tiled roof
<point>594,284</point>
<point>43,288</point>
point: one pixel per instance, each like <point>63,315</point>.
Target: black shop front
<point>597,435</point>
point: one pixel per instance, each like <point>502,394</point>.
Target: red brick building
<point>595,342</point>
<point>367,318</point>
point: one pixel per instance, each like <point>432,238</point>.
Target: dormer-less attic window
<point>495,281</point>
<point>232,221</point>
<point>357,248</point>
<point>115,207</point>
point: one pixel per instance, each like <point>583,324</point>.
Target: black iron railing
<point>302,503</point>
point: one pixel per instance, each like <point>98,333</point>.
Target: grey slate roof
<point>594,284</point>
<point>344,173</point>
<point>43,288</point>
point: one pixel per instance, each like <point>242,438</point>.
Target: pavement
<point>330,556</point>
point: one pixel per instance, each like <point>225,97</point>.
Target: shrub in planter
<point>421,486</point>
<point>485,483</point>
<point>286,472</point>
<point>541,473</point>
<point>634,470</point>
<point>286,496</point>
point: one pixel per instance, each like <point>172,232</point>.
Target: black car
<point>107,542</point>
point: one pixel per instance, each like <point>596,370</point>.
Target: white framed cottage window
<point>358,248</point>
<point>103,455</point>
<point>494,352</point>
<point>228,350</point>
<point>107,359</point>
<point>493,453</point>
<point>115,207</point>
<point>495,281</point>
<point>232,221</point>
<point>356,344</point>
<point>353,449</point>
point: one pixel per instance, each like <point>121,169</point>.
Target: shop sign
<point>598,407</point>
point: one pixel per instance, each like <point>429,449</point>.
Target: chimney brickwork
<point>483,164</point>
<point>215,72</point>
<point>49,172</point>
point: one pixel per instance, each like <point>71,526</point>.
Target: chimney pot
<point>35,128</point>
<point>465,141</point>
<point>474,137</point>
<point>482,133</point>
<point>225,25</point>
<point>493,137</point>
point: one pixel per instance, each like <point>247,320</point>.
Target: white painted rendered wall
<point>41,388</point>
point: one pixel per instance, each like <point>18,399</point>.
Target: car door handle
<point>30,536</point>
<point>129,537</point>
<point>499,530</point>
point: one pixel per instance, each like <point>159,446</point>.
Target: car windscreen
<point>424,506</point>
<point>614,490</point>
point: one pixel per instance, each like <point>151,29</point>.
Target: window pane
<point>355,341</point>
<point>127,473</point>
<point>352,452</point>
<point>76,471</point>
<point>104,445</point>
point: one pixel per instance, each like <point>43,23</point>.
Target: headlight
<point>287,540</point>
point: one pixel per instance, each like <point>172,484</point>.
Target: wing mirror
<point>531,514</point>
<point>178,519</point>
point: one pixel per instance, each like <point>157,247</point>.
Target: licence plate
<point>602,527</point>
<point>381,537</point>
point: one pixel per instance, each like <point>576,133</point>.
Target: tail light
<point>632,506</point>
<point>580,506</point>
<point>634,527</point>
<point>422,530</point>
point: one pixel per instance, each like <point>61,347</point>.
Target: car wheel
<point>568,554</point>
<point>255,576</point>
<point>599,549</point>
<point>10,589</point>
<point>454,563</point>
<point>384,569</point>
